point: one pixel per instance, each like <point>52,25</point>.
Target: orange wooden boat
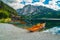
<point>36,27</point>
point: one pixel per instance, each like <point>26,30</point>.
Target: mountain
<point>32,15</point>
<point>6,11</point>
<point>38,12</point>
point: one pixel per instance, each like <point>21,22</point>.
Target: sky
<point>16,4</point>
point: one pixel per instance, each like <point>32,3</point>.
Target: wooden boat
<point>36,27</point>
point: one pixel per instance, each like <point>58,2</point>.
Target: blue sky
<point>45,2</point>
<point>58,3</point>
<point>33,1</point>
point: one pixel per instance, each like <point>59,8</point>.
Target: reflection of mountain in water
<point>54,30</point>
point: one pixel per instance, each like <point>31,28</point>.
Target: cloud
<point>37,3</point>
<point>28,1</point>
<point>16,3</point>
<point>9,1</point>
<point>52,4</point>
<point>42,0</point>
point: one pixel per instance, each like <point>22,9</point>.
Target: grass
<point>5,20</point>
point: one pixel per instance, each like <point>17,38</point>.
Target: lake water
<point>49,23</point>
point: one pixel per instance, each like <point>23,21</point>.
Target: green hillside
<point>6,11</point>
